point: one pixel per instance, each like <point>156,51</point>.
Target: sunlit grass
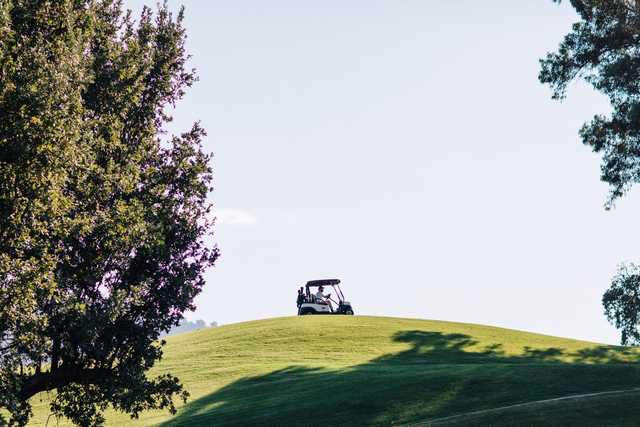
<point>371,370</point>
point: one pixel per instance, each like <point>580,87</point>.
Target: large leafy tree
<point>103,217</point>
<point>604,49</point>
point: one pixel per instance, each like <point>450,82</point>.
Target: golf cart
<point>309,303</point>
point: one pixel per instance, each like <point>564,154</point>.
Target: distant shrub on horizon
<point>187,326</point>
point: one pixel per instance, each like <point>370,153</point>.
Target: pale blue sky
<point>407,148</point>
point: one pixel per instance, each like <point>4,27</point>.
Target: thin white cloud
<point>234,217</point>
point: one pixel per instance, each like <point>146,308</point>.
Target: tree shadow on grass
<point>439,375</point>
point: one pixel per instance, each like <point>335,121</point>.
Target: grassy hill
<point>360,370</point>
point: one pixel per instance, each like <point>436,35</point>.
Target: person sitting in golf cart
<point>323,299</point>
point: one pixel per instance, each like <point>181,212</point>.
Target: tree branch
<point>63,376</point>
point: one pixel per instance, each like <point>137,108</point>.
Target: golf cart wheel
<point>306,311</point>
<point>348,312</point>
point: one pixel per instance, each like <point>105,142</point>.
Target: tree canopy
<point>103,216</point>
<point>603,48</point>
<point>622,303</point>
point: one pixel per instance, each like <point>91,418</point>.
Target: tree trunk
<point>55,354</point>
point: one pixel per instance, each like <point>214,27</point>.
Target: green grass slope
<point>336,370</point>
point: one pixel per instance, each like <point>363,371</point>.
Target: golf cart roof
<point>325,282</point>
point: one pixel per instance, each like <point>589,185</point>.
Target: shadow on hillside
<point>438,375</point>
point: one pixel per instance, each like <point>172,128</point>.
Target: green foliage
<point>622,303</point>
<point>102,222</point>
<point>604,49</point>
